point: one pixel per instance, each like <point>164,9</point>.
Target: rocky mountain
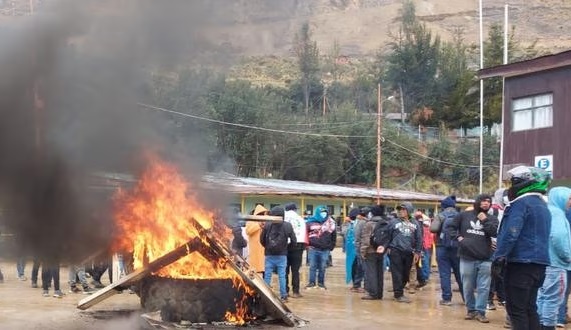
<point>361,27</point>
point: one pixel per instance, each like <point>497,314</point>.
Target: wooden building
<point>537,113</point>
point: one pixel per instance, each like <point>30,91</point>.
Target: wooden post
<point>379,123</point>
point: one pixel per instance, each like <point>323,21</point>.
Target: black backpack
<point>276,240</point>
<point>380,234</point>
<point>447,216</point>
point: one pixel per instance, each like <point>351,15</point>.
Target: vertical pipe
<point>481,99</point>
<point>379,113</point>
<point>502,128</point>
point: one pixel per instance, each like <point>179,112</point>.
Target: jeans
<point>522,282</point>
<point>293,264</point>
<point>278,263</point>
<point>423,272</point>
<point>551,295</point>
<point>357,272</point>
<point>317,263</point>
<point>448,262</point>
<point>476,276</point>
<point>35,270</point>
<point>20,266</point>
<point>562,317</point>
<point>77,273</point>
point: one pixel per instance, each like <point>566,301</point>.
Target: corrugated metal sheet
<point>253,186</point>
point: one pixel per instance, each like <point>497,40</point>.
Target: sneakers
<point>322,286</point>
<point>482,318</point>
<point>22,278</point>
<point>470,316</point>
<point>46,293</point>
<point>368,297</point>
<point>58,294</point>
<point>491,306</point>
<point>34,285</point>
<point>421,285</point>
<point>310,286</point>
<point>296,295</point>
<point>403,299</point>
<point>445,303</point>
<point>558,325</point>
<point>97,284</point>
<point>74,289</point>
<point>283,299</point>
<point>508,325</point>
<point>357,290</point>
<point>88,290</point>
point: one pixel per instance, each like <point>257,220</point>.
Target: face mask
<point>323,215</point>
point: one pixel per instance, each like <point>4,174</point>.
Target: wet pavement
<point>22,307</point>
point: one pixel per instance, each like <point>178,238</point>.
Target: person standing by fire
<point>256,250</point>
<point>295,251</point>
<point>322,235</point>
<point>275,238</point>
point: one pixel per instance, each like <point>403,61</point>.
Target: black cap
<point>290,207</point>
<point>277,211</point>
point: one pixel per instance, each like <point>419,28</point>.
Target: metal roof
<point>254,186</point>
<point>537,64</point>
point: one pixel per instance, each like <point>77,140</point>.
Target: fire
<point>153,218</point>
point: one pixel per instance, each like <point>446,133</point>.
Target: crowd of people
<point>513,248</point>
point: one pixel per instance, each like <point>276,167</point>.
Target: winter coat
<point>321,232</point>
<point>560,234</point>
<point>256,250</point>
<point>350,251</point>
<point>284,229</point>
<point>366,233</point>
<point>524,234</point>
<point>405,235</point>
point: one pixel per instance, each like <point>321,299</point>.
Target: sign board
<point>544,163</point>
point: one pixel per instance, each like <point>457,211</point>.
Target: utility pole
<point>379,123</point>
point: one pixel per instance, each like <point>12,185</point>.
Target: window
<point>532,112</point>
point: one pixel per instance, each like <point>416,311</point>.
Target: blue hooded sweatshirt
<point>321,231</point>
<point>559,242</point>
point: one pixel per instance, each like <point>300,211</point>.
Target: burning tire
<point>197,301</point>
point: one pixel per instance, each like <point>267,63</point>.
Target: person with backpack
<point>404,245</point>
<point>373,235</point>
<point>322,235</point>
<point>274,239</point>
<point>474,230</point>
<point>446,250</point>
<point>295,250</point>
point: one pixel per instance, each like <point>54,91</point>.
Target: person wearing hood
<point>372,260</point>
<point>522,245</point>
<point>563,318</point>
<point>446,249</point>
<point>403,247</point>
<point>473,230</point>
<point>552,292</point>
<point>322,234</point>
<point>255,249</point>
<point>353,267</point>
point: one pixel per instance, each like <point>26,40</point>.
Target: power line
<point>148,106</point>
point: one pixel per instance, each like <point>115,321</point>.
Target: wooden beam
<point>124,283</point>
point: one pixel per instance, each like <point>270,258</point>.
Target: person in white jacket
<point>295,251</point>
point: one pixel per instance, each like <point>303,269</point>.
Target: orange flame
<point>153,218</point>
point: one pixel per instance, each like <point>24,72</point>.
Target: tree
<point>413,61</point>
<point>308,61</point>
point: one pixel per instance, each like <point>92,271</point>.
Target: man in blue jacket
<point>523,244</point>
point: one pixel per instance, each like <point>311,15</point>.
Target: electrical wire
<point>152,107</point>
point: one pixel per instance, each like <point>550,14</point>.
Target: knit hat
<point>378,210</point>
<point>407,206</point>
<point>449,201</point>
<point>353,213</point>
<point>290,207</point>
<point>277,211</point>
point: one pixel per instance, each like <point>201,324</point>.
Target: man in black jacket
<point>474,229</point>
<point>275,238</point>
<point>404,247</point>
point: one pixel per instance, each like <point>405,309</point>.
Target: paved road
<point>22,307</point>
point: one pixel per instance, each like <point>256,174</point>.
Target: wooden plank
<point>260,218</point>
<point>250,275</point>
<point>124,283</point>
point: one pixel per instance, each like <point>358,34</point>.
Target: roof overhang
<point>542,63</point>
